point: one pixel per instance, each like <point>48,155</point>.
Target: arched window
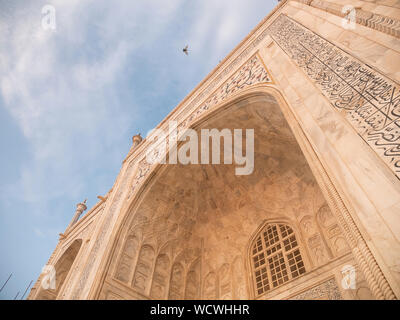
<point>275,257</point>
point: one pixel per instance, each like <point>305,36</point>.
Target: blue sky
<point>71,99</point>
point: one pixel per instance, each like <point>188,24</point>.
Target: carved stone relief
<point>143,272</point>
<point>367,99</point>
<point>210,286</point>
<point>113,296</point>
<point>160,277</point>
<point>239,279</point>
<point>327,290</point>
<point>128,256</point>
<point>225,283</point>
<point>192,290</point>
<point>314,240</point>
<point>308,225</point>
<point>332,232</point>
<point>176,287</point>
<point>318,250</point>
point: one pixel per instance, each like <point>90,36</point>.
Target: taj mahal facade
<point>318,217</point>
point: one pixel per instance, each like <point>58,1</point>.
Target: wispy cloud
<point>62,87</point>
<point>65,86</point>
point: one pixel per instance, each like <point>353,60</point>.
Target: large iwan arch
<point>202,218</point>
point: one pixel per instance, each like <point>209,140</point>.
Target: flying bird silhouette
<point>185,50</point>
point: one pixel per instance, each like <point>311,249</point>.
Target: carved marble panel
<point>192,291</point>
<point>160,277</point>
<point>308,226</point>
<point>317,248</point>
<point>143,272</point>
<point>210,286</point>
<point>327,290</point>
<point>113,296</point>
<point>367,99</point>
<point>332,232</point>
<point>239,279</point>
<point>126,263</point>
<point>176,286</point>
<point>225,283</point>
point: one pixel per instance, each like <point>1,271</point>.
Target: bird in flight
<point>186,50</point>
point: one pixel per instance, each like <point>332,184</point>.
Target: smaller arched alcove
<point>55,277</point>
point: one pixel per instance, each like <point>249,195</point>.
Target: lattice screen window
<point>276,257</point>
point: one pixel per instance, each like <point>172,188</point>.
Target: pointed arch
<point>192,289</point>
<point>239,279</point>
<point>176,287</point>
<point>62,268</point>
<point>210,290</point>
<point>225,282</point>
<point>127,260</point>
<point>144,267</point>
<point>160,277</point>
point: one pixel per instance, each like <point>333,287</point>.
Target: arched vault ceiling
<point>208,206</point>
